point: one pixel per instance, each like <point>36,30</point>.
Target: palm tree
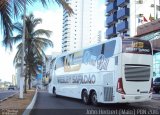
<point>12,8</point>
<point>34,44</point>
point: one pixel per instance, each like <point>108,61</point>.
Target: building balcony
<point>122,3</point>
<point>64,37</point>
<point>111,7</point>
<point>65,32</point>
<point>123,26</point>
<point>111,19</point>
<point>108,1</point>
<point>111,31</point>
<point>123,13</point>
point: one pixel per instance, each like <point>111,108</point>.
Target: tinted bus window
<point>77,57</point>
<point>91,54</point>
<point>136,46</point>
<point>109,48</point>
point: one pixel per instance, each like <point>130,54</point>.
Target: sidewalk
<point>16,106</point>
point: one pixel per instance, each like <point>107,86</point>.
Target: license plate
<point>137,97</point>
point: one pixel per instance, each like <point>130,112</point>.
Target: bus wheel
<point>85,97</point>
<point>54,92</point>
<point>94,98</point>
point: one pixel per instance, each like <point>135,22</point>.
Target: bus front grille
<point>137,73</point>
<point>108,93</point>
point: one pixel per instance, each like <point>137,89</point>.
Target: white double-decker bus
<point>116,71</point>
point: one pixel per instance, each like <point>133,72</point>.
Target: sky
<point>51,20</point>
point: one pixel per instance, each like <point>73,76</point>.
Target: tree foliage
<point>35,44</point>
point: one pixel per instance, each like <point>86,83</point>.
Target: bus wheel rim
<point>85,98</point>
<point>94,98</point>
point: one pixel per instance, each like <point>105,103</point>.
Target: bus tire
<point>85,97</point>
<point>54,92</point>
<point>94,98</point>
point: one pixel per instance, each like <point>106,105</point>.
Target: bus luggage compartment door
<point>108,86</point>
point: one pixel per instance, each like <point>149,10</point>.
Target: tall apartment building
<point>79,30</point>
<point>124,16</point>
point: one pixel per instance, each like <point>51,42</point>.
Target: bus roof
<point>107,40</point>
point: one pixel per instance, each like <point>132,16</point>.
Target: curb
<point>8,97</point>
<point>30,106</point>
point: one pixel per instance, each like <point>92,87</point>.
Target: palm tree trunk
<point>25,84</point>
<point>29,61</point>
<point>29,80</point>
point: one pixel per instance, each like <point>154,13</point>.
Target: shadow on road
<point>48,105</point>
<point>100,105</point>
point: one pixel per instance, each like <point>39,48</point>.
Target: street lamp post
<point>23,53</point>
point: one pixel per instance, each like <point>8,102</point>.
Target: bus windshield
<point>136,46</point>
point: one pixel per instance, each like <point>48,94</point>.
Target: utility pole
<point>23,53</point>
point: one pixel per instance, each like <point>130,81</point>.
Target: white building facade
<point>79,29</point>
<point>124,16</point>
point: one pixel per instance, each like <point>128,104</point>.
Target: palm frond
<point>19,46</point>
<point>18,6</point>
<point>43,42</point>
<point>36,52</point>
<point>29,24</point>
<point>41,32</point>
<point>44,2</point>
<point>40,45</point>
<point>16,39</point>
<point>65,6</point>
<point>62,3</point>
<point>6,22</point>
<point>18,27</point>
<point>37,21</point>
<point>39,49</point>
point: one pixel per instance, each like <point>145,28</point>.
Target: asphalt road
<point>49,105</point>
<point>5,94</point>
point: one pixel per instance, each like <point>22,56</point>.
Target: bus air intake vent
<point>108,93</point>
<point>137,72</point>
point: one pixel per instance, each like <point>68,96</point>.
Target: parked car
<point>156,85</point>
<point>11,87</point>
